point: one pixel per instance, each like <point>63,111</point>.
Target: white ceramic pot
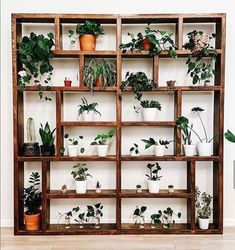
<point>159,150</point>
<point>81,187</point>
<point>102,150</point>
<point>98,190</point>
<point>203,223</point>
<point>153,186</point>
<point>149,114</point>
<point>133,153</point>
<point>204,149</point>
<point>189,150</point>
<point>87,117</point>
<point>72,150</point>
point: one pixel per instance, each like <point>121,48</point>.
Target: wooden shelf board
<point>77,53</point>
<point>140,123</point>
<point>89,124</point>
<point>178,193</point>
<point>71,194</point>
<point>212,229</point>
<point>169,158</point>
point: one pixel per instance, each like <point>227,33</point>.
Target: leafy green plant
<point>197,68</point>
<point>47,135</point>
<point>154,172</point>
<point>100,69</point>
<point>139,213</point>
<point>151,142</point>
<point>160,40</point>
<point>135,148</point>
<point>94,211</point>
<point>150,104</point>
<point>102,139</point>
<point>80,174</point>
<point>87,107</point>
<point>88,27</point>
<point>32,196</point>
<point>230,136</point>
<point>35,53</point>
<point>203,201</point>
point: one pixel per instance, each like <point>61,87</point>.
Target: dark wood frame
<point>190,227</point>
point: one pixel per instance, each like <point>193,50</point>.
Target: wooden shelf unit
<point>219,19</point>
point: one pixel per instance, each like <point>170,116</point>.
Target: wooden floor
<point>119,242</point>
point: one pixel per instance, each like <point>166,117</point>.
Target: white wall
<point>63,169</point>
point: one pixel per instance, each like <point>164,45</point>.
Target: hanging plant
<point>35,54</point>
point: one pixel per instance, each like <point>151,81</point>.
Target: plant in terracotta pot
<point>154,41</point>
<point>138,216</point>
<point>74,149</point>
<point>80,176</point>
<point>153,177</point>
<point>33,202</point>
<point>87,33</point>
<point>159,147</point>
<point>31,148</point>
<point>134,150</point>
<point>100,73</point>
<point>87,110</point>
<point>67,82</point>
<point>102,142</point>
<point>35,54</point>
<point>47,147</point>
<point>203,201</point>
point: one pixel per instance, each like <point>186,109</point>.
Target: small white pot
<point>189,150</point>
<point>153,186</point>
<point>159,150</point>
<point>204,149</point>
<point>81,187</point>
<point>98,190</point>
<point>133,153</point>
<point>203,223</point>
<point>149,114</point>
<point>87,117</point>
<point>72,150</point>
<point>102,150</point>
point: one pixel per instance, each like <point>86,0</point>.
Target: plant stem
<point>195,133</point>
<point>203,126</point>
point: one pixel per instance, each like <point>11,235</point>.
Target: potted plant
<point>87,33</point>
<point>203,201</point>
<point>159,147</point>
<point>153,40</point>
<point>31,148</point>
<point>67,217</point>
<point>102,142</point>
<point>171,189</point>
<point>35,54</point>
<point>199,45</point>
<point>138,188</point>
<point>134,150</point>
<point>138,216</point>
<point>183,123</point>
<point>47,147</point>
<point>73,146</point>
<point>80,220</point>
<point>80,176</point>
<point>150,109</point>
<point>170,84</point>
<point>204,147</point>
<point>153,177</point>
<point>87,110</point>
<point>164,217</point>
<point>67,82</point>
<point>98,187</point>
<point>95,213</point>
<point>100,73</point>
<point>33,202</point>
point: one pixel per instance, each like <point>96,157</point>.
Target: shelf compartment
<point>71,194</point>
<point>178,193</point>
<point>169,158</point>
<point>108,228</point>
<point>89,124</point>
<point>212,229</point>
<point>140,123</point>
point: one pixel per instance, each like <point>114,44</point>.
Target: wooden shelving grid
<point>119,194</point>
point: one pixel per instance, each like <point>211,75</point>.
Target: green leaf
<point>230,136</point>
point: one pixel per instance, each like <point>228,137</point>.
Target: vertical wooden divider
<point>179,33</point>
<point>81,68</point>
<point>59,128</point>
<point>58,34</point>
<point>191,175</point>
<point>156,69</point>
<point>118,119</point>
<point>45,190</point>
<point>177,131</point>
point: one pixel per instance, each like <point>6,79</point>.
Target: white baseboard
<point>229,222</point>
<point>7,223</point>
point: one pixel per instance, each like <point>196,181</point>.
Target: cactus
<point>31,134</point>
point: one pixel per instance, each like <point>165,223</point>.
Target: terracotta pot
<point>170,84</point>
<point>87,42</point>
<point>67,83</point>
<point>146,44</point>
<point>99,82</point>
<point>32,222</point>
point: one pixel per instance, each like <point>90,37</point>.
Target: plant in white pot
<point>80,176</point>
<point>74,149</point>
<point>159,147</point>
<point>87,110</point>
<point>102,142</point>
<point>203,201</point>
<point>153,177</point>
<point>150,109</point>
<point>134,150</point>
<point>204,146</point>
